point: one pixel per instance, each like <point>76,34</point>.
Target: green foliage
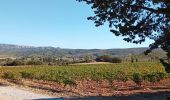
<point>137,78</point>
<point>135,20</point>
<point>107,58</point>
<point>88,59</point>
<point>132,60</point>
<point>155,76</point>
<point>12,75</point>
<point>34,62</point>
<point>56,56</point>
<point>162,75</point>
<point>69,82</point>
<point>110,76</point>
<point>68,75</point>
<point>116,60</point>
<point>121,76</point>
<point>27,75</point>
<point>104,58</point>
<point>15,63</point>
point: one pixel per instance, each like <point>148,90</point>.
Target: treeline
<point>53,61</point>
<point>34,61</point>
<point>66,60</point>
<point>107,58</point>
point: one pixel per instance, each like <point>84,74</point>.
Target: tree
<point>104,58</point>
<point>87,59</point>
<point>135,20</point>
<point>116,60</point>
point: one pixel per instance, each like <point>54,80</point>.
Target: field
<point>90,79</point>
<point>96,72</point>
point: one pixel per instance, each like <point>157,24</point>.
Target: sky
<point>57,23</point>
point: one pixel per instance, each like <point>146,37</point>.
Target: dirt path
<point>13,93</point>
<point>31,90</point>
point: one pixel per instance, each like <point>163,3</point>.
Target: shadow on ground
<point>139,96</point>
<point>50,99</point>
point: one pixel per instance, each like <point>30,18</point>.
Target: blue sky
<point>56,23</point>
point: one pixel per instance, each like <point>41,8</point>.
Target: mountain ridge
<point>21,50</point>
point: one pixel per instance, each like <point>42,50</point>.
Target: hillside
<point>7,50</point>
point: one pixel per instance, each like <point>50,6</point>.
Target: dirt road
<point>13,93</point>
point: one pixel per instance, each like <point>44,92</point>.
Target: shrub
<point>161,75</point>
<point>27,75</point>
<point>12,76</point>
<point>107,58</point>
<point>69,82</point>
<point>34,62</point>
<point>104,58</point>
<point>109,76</point>
<point>155,76</point>
<point>15,63</point>
<point>121,76</point>
<point>137,78</point>
<point>97,76</point>
<point>116,60</point>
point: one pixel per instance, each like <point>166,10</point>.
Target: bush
<point>27,75</point>
<point>35,62</point>
<point>137,78</point>
<point>69,82</point>
<point>116,60</point>
<point>161,75</point>
<point>104,58</point>
<point>109,76</point>
<point>155,76</point>
<point>121,76</point>
<point>15,63</point>
<point>12,76</point>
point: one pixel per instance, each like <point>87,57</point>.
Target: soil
<point>86,89</point>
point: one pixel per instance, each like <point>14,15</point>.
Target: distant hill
<point>7,50</point>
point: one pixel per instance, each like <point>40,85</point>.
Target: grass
<point>69,74</point>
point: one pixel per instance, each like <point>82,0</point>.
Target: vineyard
<point>138,72</point>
